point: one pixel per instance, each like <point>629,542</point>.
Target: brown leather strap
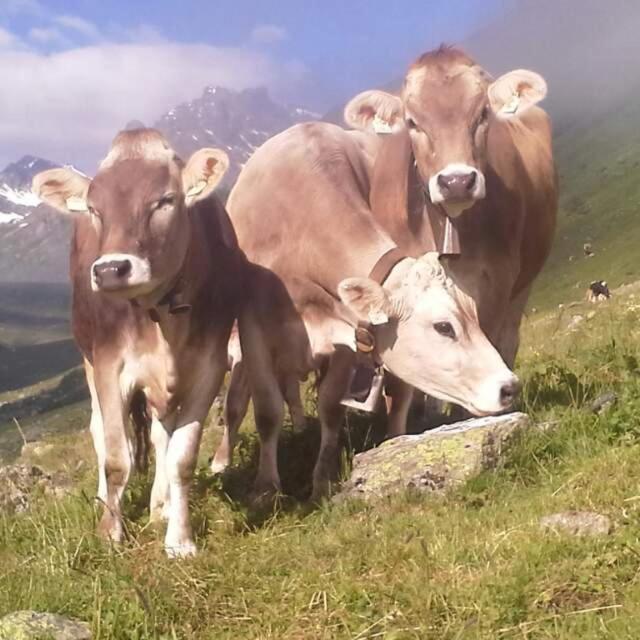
<point>385,264</point>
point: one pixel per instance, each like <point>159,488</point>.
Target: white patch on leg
<point>159,502</point>
<point>181,459</point>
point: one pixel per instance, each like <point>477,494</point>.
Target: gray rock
<point>20,482</point>
<point>434,461</point>
<point>578,523</point>
<point>30,625</point>
<point>604,402</point>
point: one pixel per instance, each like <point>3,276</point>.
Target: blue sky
<point>78,69</point>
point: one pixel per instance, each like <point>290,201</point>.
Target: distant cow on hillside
<point>156,272</point>
<point>598,291</point>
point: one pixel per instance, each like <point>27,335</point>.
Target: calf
<point>156,271</point>
<point>409,318</point>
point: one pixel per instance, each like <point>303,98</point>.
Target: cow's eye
<point>482,118</point>
<point>411,124</point>
<point>166,201</point>
<point>93,211</point>
<point>445,329</point>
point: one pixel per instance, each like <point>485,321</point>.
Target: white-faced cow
<point>300,209</point>
<point>465,168</point>
<point>156,273</point>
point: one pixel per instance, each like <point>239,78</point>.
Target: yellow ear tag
<point>378,317</point>
<point>380,125</point>
<point>197,189</point>
<point>75,203</point>
<point>512,106</point>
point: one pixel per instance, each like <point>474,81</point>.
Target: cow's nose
<point>111,274</point>
<point>509,392</point>
<point>457,186</point>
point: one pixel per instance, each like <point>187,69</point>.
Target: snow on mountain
<point>24,198</point>
<point>34,240</point>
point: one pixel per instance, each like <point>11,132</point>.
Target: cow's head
<point>447,105</point>
<point>137,204</point>
<point>429,336</point>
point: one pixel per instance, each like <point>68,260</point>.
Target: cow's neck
<point>191,299</point>
<point>399,202</point>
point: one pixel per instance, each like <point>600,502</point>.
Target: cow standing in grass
<point>156,274</point>
<point>464,166</point>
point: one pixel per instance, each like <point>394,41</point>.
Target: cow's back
<point>302,200</point>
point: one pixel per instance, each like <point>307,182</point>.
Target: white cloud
<point>48,36</point>
<point>68,105</point>
<point>268,34</point>
<point>8,40</point>
<point>78,25</point>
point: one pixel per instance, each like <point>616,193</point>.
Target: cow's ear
<point>203,172</point>
<point>515,92</point>
<point>376,111</point>
<point>63,189</point>
<point>366,299</point>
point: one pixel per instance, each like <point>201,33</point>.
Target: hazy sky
<point>73,72</point>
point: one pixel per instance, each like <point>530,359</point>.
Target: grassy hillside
<point>472,565</point>
<point>599,170</point>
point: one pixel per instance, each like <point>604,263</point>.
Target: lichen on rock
<point>31,625</point>
<point>434,461</point>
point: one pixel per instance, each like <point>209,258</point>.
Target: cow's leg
<point>182,456</point>
<point>97,433</point>
<point>159,502</point>
<point>268,402</point>
<point>399,395</point>
<point>118,455</point>
<point>291,391</point>
<point>331,413</point>
<point>236,403</point>
<point>268,406</point>
<point>508,340</point>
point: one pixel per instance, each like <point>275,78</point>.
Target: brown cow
<point>300,209</point>
<point>466,168</point>
<point>156,272</point>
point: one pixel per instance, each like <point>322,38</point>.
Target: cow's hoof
<point>264,496</point>
<point>184,549</point>
<point>110,528</point>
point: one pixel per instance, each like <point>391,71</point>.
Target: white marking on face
<point>454,209</point>
<point>140,273</point>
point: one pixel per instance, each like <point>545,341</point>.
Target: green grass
<point>599,169</point>
<point>473,564</point>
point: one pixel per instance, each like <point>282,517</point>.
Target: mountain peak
<point>18,175</point>
<point>236,121</point>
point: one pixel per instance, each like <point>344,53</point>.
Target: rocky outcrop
<point>20,483</point>
<point>578,523</point>
<point>434,461</point>
<point>30,625</point>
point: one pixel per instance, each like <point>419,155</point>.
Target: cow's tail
<point>141,430</point>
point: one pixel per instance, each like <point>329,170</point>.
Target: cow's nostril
<point>443,181</point>
<point>508,393</point>
<point>123,268</point>
<point>470,181</point>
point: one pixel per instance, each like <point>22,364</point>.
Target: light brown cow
<point>156,273</point>
<point>466,168</point>
<point>300,209</point>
